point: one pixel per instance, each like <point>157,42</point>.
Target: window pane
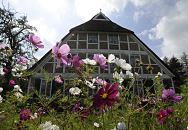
<point>152,62</point>
<point>72,44</point>
<point>48,89</point>
<point>103,37</point>
<point>134,59</point>
<point>144,59</point>
<point>92,38</point>
<point>92,46</point>
<point>145,70</point>
<point>156,69</point>
<point>82,36</point>
<point>113,39</point>
<point>43,87</point>
<point>167,83</point>
<point>136,69</point>
<point>114,47</point>
<point>59,70</point>
<point>74,37</point>
<point>123,37</point>
<point>37,84</point>
<point>48,67</point>
<point>131,40</point>
<point>112,66</point>
<point>103,45</point>
<point>82,55</point>
<point>123,46</point>
<point>134,46</point>
<point>126,57</point>
<point>81,45</point>
<point>147,83</point>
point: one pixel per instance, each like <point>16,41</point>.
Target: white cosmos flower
<point>75,91</point>
<point>89,62</point>
<point>48,126</point>
<point>129,74</point>
<point>126,66</point>
<point>18,95</point>
<point>17,88</point>
<point>1,71</point>
<point>119,77</point>
<point>121,126</point>
<point>90,84</point>
<point>1,99</point>
<point>1,89</point>
<point>111,58</point>
<point>96,124</point>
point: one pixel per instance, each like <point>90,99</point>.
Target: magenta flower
<point>35,40</point>
<point>101,60</point>
<point>22,60</point>
<point>58,79</point>
<point>106,96</point>
<point>169,95</point>
<point>163,114</point>
<point>6,70</point>
<point>61,53</point>
<point>12,82</point>
<point>77,62</point>
<point>76,107</point>
<point>25,114</point>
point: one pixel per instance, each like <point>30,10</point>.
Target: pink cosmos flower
<point>22,60</point>
<point>77,62</point>
<point>163,114</point>
<point>76,107</point>
<point>2,46</point>
<point>169,95</point>
<point>12,82</point>
<point>101,82</point>
<point>106,96</point>
<point>58,79</point>
<point>101,60</point>
<point>25,114</point>
<point>6,70</point>
<point>35,40</point>
<point>61,53</point>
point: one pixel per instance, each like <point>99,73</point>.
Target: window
<point>125,57</point>
<point>45,88</point>
<point>103,37</point>
<point>72,44</point>
<point>144,59</point>
<point>74,37</point>
<point>134,60</point>
<point>152,61</point>
<point>103,45</point>
<point>82,36</point>
<point>134,46</point>
<point>82,55</point>
<point>37,84</point>
<point>92,38</point>
<point>123,38</point>
<point>138,88</point>
<point>82,45</point>
<point>167,83</point>
<point>123,46</point>
<point>156,69</point>
<point>113,39</point>
<point>48,67</point>
<point>148,85</point>
<point>131,40</point>
<point>92,46</point>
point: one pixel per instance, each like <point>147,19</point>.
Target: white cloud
<point>173,30</point>
<point>88,8</point>
<point>137,15</point>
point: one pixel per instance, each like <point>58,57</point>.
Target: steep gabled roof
<point>100,23</point>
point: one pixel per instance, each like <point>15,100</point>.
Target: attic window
<point>100,16</point>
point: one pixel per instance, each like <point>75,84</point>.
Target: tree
<point>17,44</point>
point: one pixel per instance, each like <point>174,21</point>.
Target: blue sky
<point>161,24</point>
